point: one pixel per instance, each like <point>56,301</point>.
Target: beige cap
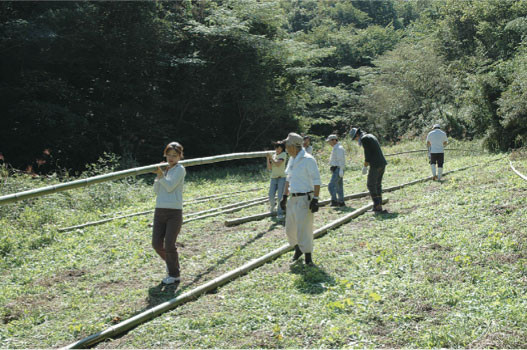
<point>332,137</point>
<point>293,139</point>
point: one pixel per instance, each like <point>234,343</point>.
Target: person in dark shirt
<point>374,158</point>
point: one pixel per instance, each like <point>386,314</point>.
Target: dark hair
<point>307,137</point>
<point>176,146</point>
<point>279,144</point>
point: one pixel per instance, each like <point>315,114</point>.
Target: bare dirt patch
<point>62,276</point>
<point>17,308</point>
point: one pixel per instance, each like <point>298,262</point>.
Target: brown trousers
<point>167,224</point>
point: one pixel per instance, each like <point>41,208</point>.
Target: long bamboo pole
<point>10,198</point>
<point>215,211</point>
<point>426,150</point>
<point>517,172</point>
<point>195,200</point>
<point>211,285</point>
<point>261,216</point>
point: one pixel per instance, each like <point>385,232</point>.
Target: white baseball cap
<point>293,139</point>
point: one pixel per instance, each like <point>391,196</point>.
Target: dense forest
<point>83,78</point>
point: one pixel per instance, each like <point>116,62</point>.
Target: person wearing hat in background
<point>374,158</point>
<point>436,142</point>
<point>337,163</point>
<point>276,164</point>
<point>307,144</point>
<point>303,184</point>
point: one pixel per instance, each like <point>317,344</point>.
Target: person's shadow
<point>161,293</point>
<point>313,279</point>
<point>385,216</point>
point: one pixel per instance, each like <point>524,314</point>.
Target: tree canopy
<point>83,78</point>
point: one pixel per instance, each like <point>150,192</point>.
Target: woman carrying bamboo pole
<point>276,164</point>
<point>168,215</point>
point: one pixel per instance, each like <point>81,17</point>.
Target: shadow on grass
<point>313,279</point>
<point>161,293</point>
<point>346,209</point>
<point>226,258</point>
<point>385,216</point>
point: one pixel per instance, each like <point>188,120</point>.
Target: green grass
<point>446,268</point>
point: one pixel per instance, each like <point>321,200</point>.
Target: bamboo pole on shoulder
<point>15,197</point>
<point>516,171</point>
<point>211,285</point>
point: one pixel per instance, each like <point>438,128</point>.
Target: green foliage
<point>399,280</point>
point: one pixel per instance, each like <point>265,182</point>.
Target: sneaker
<point>171,280</point>
<point>334,204</point>
<point>280,216</point>
<point>342,204</point>
<point>434,178</point>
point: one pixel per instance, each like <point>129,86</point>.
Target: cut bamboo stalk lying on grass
<point>517,172</point>
<point>14,197</point>
<point>211,285</point>
<point>406,152</point>
<point>146,212</point>
<point>198,200</point>
<point>261,216</point>
<point>232,210</point>
<point>426,150</point>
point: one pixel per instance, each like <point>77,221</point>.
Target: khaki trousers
<point>299,223</point>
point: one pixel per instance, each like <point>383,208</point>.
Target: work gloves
<point>313,205</point>
<point>364,170</point>
<point>283,202</point>
<point>341,172</point>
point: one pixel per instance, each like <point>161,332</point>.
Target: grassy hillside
<point>447,267</point>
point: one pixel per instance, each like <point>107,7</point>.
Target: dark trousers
<point>167,224</point>
<point>375,184</point>
<point>438,158</point>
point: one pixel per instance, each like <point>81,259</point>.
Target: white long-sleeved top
<point>302,173</point>
<point>436,138</point>
<point>169,188</point>
<point>338,156</point>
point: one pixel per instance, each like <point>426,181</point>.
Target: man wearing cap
<point>374,158</point>
<point>337,163</point>
<point>307,144</point>
<point>303,184</point>
<point>436,142</point>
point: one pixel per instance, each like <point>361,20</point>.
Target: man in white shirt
<point>303,183</point>
<point>337,163</point>
<point>436,141</point>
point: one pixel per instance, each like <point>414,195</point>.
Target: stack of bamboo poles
<point>211,285</point>
<point>10,198</point>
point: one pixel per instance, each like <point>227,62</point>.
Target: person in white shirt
<point>303,183</point>
<point>168,215</point>
<point>337,164</point>
<point>307,145</point>
<point>276,164</point>
<point>436,141</point>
